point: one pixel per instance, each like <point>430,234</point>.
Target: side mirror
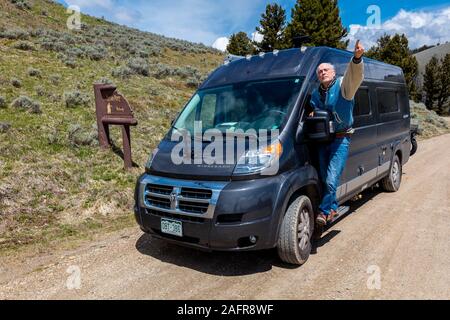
<point>319,127</point>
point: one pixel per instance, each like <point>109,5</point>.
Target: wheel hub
<point>304,229</point>
<point>395,172</point>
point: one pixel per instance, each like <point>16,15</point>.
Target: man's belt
<point>340,135</point>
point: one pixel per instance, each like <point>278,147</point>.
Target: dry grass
<point>430,124</point>
<point>50,188</point>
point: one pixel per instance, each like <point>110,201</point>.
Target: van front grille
<point>196,193</point>
<point>160,189</point>
<point>193,207</point>
<point>178,199</point>
<point>163,203</point>
<point>158,195</point>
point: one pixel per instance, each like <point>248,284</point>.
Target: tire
<point>413,146</point>
<point>294,245</point>
<point>391,183</point>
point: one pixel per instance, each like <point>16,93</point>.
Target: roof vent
<point>231,58</point>
<point>275,52</point>
<point>262,54</point>
<point>248,57</point>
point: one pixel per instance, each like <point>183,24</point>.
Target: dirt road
<point>391,245</point>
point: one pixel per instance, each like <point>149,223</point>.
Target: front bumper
<point>232,211</point>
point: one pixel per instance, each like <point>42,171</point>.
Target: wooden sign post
<point>113,109</point>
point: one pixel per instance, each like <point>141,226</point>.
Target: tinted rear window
<point>387,101</point>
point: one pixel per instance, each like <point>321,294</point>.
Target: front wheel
<point>297,228</point>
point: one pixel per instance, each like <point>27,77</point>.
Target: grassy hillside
<point>425,56</point>
<point>54,180</point>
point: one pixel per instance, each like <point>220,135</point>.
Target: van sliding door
<point>390,124</point>
<point>362,161</point>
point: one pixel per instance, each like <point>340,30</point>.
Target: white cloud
<point>421,27</point>
<point>257,37</point>
<point>221,44</point>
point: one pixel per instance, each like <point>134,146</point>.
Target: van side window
<point>362,103</point>
<point>387,101</point>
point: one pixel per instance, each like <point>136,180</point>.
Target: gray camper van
<point>233,207</point>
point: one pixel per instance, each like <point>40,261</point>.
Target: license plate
<point>172,227</point>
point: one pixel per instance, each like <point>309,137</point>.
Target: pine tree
<point>240,44</point>
<point>430,82</point>
<point>318,19</point>
<point>394,50</point>
<point>444,84</point>
<point>272,26</point>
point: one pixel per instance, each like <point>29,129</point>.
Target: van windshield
<point>250,105</point>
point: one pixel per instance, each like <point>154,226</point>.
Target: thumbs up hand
<point>359,50</point>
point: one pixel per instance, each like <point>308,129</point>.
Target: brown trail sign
<point>113,109</point>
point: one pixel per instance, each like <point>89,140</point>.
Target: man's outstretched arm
<point>354,75</point>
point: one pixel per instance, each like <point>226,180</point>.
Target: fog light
<point>253,239</point>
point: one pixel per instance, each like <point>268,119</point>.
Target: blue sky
<point>424,22</point>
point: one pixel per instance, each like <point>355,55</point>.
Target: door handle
<point>360,170</point>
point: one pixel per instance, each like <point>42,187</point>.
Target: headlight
<point>150,159</point>
<point>265,160</point>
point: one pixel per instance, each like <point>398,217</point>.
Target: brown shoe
<point>331,216</point>
<point>321,219</point>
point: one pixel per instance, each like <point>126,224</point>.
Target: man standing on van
<point>337,96</point>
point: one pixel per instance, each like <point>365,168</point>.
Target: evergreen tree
<point>272,26</point>
<point>430,82</point>
<point>318,19</point>
<point>444,85</point>
<point>240,44</point>
<point>394,50</point>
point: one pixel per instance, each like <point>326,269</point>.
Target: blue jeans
<point>332,159</point>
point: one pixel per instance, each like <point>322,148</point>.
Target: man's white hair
<point>328,64</point>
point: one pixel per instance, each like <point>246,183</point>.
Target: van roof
<point>295,63</point>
